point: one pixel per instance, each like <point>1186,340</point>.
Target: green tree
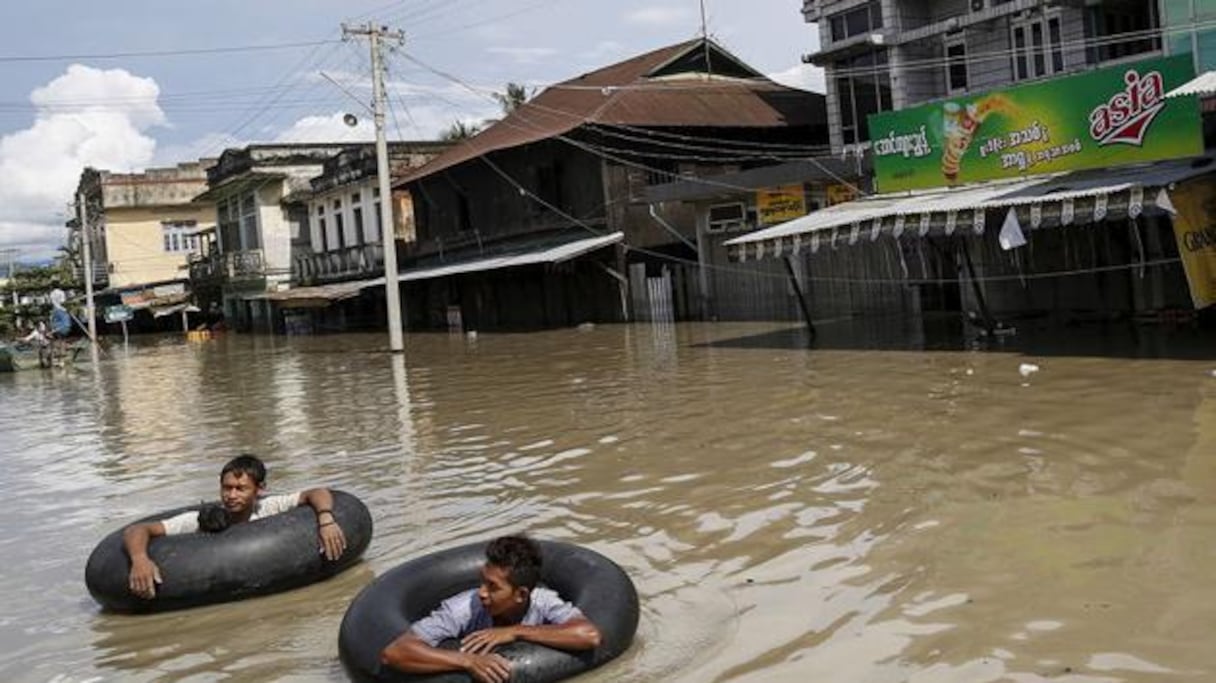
<point>460,130</point>
<point>514,96</point>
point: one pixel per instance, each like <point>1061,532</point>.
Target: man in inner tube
<point>242,485</point>
<point>506,607</point>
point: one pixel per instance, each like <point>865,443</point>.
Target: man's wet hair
<point>212,518</point>
<point>520,556</point>
<point>246,464</point>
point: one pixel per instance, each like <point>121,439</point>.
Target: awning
<point>1045,201</point>
<point>318,296</point>
<point>323,295</point>
<point>1203,85</point>
<point>160,312</point>
<point>525,256</point>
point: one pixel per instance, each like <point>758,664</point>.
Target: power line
<point>163,53</point>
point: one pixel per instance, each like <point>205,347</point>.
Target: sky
<point>77,87</point>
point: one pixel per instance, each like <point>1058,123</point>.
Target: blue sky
<point>127,113</point>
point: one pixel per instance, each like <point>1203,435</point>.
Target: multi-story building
<point>143,230</point>
<point>881,55</point>
<point>344,239</point>
<point>259,218</point>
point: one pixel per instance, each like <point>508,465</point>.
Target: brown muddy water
<point>787,514</point>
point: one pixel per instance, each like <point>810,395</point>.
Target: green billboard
<point>1109,117</point>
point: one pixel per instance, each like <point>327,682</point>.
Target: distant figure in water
<point>508,606</point>
<point>242,489</point>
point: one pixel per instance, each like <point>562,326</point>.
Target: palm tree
<point>460,130</point>
<point>515,96</point>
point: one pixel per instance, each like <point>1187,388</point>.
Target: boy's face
<point>238,492</point>
<point>498,595</point>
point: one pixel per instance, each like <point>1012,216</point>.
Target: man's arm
<point>574,635</point>
<point>333,541</point>
<point>410,654</point>
<point>144,573</point>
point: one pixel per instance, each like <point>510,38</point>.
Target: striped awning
<point>1203,85</point>
<point>1043,201</point>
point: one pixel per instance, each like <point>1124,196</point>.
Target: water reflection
<point>788,514</point>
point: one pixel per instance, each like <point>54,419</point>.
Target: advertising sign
<point>1195,231</point>
<point>840,193</point>
<point>780,204</point>
<point>1109,117</point>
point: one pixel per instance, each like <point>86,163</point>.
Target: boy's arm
<point>574,635</point>
<point>333,541</point>
<point>410,654</point>
<point>144,573</point>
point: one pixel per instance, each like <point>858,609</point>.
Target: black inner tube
<point>409,592</point>
<point>268,555</point>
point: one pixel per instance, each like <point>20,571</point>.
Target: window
<point>180,236</point>
<point>863,87</point>
<point>250,236</point>
<point>230,225</point>
<point>1038,48</point>
<point>956,66</point>
<point>857,21</point>
<point>356,202</point>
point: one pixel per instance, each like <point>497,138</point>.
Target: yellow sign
<point>839,194</point>
<point>780,204</point>
<point>1195,231</point>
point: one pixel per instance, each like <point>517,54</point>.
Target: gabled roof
<point>692,84</point>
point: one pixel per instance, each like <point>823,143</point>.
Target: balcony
<point>350,263</point>
<point>233,266</point>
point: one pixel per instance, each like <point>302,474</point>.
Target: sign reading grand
<point>1108,117</point>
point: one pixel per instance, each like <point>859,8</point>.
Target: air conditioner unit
<point>727,217</point>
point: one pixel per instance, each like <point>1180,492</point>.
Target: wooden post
<point>806,308</point>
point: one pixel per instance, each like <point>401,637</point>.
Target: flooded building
<point>259,226</point>
<point>541,220</point>
<point>143,230</point>
<point>343,245</point>
<point>1070,200</point>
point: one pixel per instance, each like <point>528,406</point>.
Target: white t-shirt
<point>187,522</point>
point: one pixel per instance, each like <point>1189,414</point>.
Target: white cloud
<point>802,76</point>
<point>523,55</point>
<point>86,117</point>
<point>330,128</point>
<point>659,16</point>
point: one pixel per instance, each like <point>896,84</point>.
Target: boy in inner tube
<point>242,489</point>
<point>506,607</point>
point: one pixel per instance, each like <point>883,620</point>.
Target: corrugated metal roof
<point>979,197</point>
<point>323,295</point>
<point>1204,84</point>
<point>555,254</point>
<point>622,94</point>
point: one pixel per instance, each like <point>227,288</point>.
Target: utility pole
<point>392,292</point>
<point>12,264</point>
<point>82,215</point>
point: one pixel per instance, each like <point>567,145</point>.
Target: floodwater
<point>876,515</point>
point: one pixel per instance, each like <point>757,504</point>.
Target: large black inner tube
<point>268,555</point>
<point>409,592</point>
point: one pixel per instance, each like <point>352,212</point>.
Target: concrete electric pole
<point>86,240</point>
<point>376,35</point>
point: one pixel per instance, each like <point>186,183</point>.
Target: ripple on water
<point>787,515</point>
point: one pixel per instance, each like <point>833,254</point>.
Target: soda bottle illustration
<point>959,129</point>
